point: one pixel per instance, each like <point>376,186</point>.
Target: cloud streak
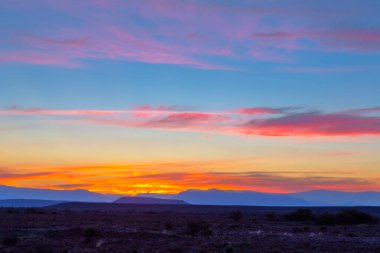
<point>193,33</point>
<point>314,124</point>
<point>254,121</point>
<point>135,179</point>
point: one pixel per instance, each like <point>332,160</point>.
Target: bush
<point>169,225</point>
<point>328,219</point>
<point>34,211</point>
<point>12,210</point>
<point>345,217</point>
<point>90,232</point>
<point>229,249</point>
<point>195,227</point>
<point>271,216</point>
<point>9,241</point>
<point>44,248</point>
<point>353,216</point>
<point>302,214</point>
<point>236,215</point>
<point>174,249</point>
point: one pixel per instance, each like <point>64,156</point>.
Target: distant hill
<point>147,200</point>
<point>245,198</point>
<point>339,198</point>
<point>203,197</point>
<point>9,192</point>
<point>157,196</point>
<point>27,203</point>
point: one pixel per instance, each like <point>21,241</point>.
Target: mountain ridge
<point>206,197</point>
<point>149,200</point>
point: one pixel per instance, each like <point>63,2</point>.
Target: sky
<point>161,96</point>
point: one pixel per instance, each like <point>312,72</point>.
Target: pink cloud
<point>313,124</point>
<point>364,110</point>
<point>196,34</point>
<point>14,110</point>
<point>332,40</point>
<point>244,121</point>
<point>38,58</point>
<point>178,120</point>
<point>261,110</point>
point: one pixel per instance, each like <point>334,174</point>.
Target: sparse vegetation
<point>353,216</point>
<point>201,230</point>
<point>343,217</point>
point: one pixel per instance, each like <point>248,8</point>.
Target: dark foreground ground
<point>143,228</point>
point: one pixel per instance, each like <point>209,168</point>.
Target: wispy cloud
<point>314,124</point>
<point>331,69</point>
<point>255,121</point>
<point>198,34</point>
<point>263,110</point>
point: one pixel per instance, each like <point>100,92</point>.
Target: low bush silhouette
<point>169,225</point>
<point>34,211</point>
<point>271,216</point>
<point>9,241</point>
<point>12,210</point>
<point>353,216</point>
<point>302,214</point>
<point>90,232</point>
<point>229,249</point>
<point>328,219</point>
<point>348,216</point>
<point>44,248</point>
<point>236,215</point>
<point>198,227</point>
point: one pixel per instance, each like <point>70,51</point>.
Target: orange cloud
<point>109,179</point>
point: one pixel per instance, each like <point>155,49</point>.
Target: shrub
<point>44,248</point>
<point>175,249</point>
<point>9,240</point>
<point>195,227</point>
<point>302,214</point>
<point>12,210</point>
<point>229,249</point>
<point>34,211</point>
<point>353,216</point>
<point>236,215</point>
<point>169,225</point>
<point>90,232</point>
<point>326,219</point>
<point>271,216</point>
<point>345,217</point>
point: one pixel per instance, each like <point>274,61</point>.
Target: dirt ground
<point>68,230</point>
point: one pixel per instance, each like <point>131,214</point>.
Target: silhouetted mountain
<point>8,192</point>
<point>339,198</point>
<point>205,197</point>
<point>146,200</point>
<point>27,202</point>
<point>245,198</point>
<point>157,196</point>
